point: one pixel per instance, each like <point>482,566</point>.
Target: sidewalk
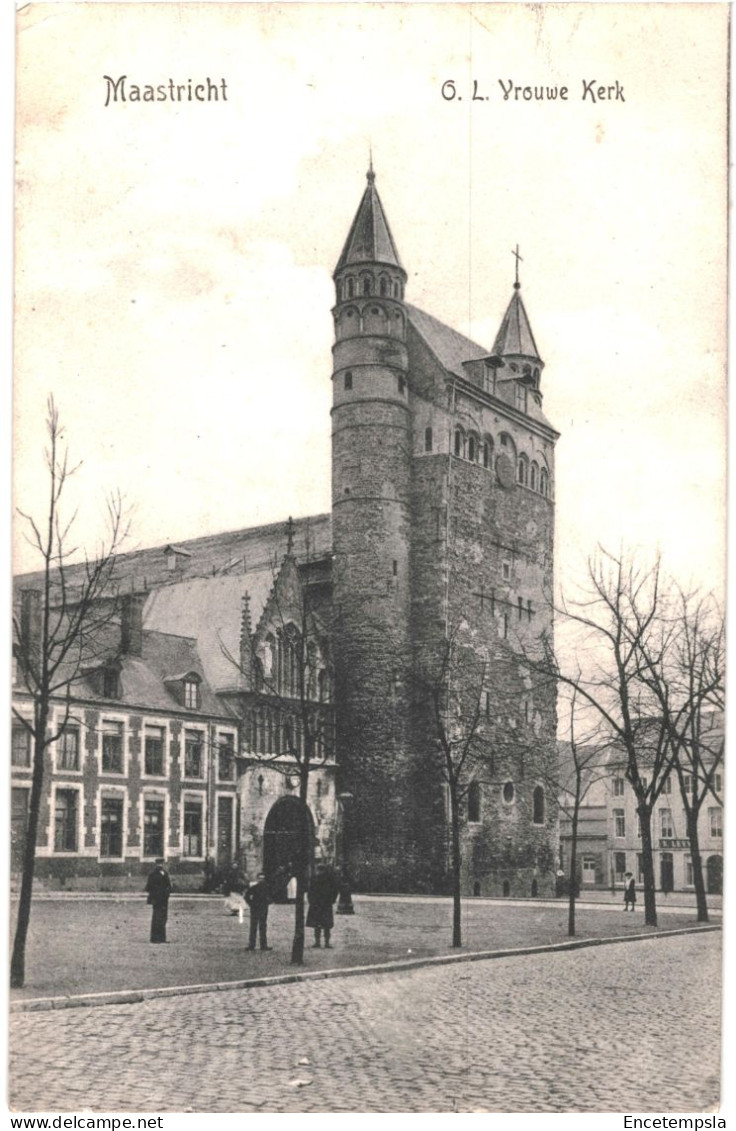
<point>97,946</point>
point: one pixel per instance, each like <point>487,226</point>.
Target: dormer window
<point>191,693</point>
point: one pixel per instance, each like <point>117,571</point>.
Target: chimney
<point>131,624</point>
<point>30,627</point>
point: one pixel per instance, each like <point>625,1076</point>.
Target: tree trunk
<point>297,946</point>
<point>573,866</point>
<point>650,903</point>
<point>697,862</point>
<point>18,958</point>
<point>455,821</point>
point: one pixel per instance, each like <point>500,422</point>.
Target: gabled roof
<point>515,336</point>
<point>369,239</point>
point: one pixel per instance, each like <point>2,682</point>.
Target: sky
<point>173,260</point>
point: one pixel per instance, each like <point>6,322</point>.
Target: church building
<point>417,603</point>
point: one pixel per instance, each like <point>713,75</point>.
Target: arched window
<point>508,792</point>
<point>487,453</point>
<point>401,383</point>
<point>533,476</point>
<point>459,442</point>
<point>383,286</point>
<point>428,439</point>
<point>474,802</point>
<point>472,448</point>
<point>367,285</point>
<point>527,371</point>
<point>538,800</point>
<point>348,380</point>
<point>397,290</point>
<point>351,287</point>
<point>523,471</point>
<point>544,482</point>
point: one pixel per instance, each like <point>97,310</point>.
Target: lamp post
<point>345,901</point>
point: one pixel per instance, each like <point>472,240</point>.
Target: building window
<point>619,822</point>
<point>154,751</point>
<point>486,454</point>
<point>506,571</point>
<point>226,759</point>
<point>618,787</point>
<point>689,878</point>
<point>665,823</point>
<point>111,827</point>
<point>20,749</point>
<point>508,792</point>
<point>428,439</point>
<point>533,476</point>
<point>401,382</point>
<point>193,761</point>
<point>667,787</point>
<point>68,749</point>
<point>112,747</point>
<point>153,828</point>
<point>472,449</point>
<point>458,442</point>
<point>520,607</point>
<point>191,693</point>
<point>619,865</point>
<point>523,471</point>
<point>544,482</point>
<point>351,288</point>
<point>65,820</point>
<point>640,867</point>
<point>348,381</point>
<point>538,805</point>
<point>715,819</point>
<point>192,828</point>
<point>505,626</point>
<point>474,802</point>
<point>717,783</point>
<point>589,869</point>
<point>687,783</point>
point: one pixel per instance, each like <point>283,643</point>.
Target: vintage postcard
<point>368,697</point>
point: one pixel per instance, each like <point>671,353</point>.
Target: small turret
<point>515,344</point>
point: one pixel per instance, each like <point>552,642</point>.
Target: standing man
<point>257,899</point>
<point>158,886</point>
<point>322,893</point>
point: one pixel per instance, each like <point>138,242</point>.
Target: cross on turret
<point>290,535</point>
<point>519,260</point>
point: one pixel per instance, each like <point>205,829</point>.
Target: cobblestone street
<point>626,1027</point>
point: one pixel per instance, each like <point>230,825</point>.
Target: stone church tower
<point>443,527</point>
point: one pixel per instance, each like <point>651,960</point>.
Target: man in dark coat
<point>322,893</point>
<point>158,886</point>
<point>257,899</point>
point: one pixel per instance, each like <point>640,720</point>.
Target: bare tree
<point>619,617</point>
<point>452,686</point>
<point>56,632</point>
<point>684,668</point>
<point>296,680</point>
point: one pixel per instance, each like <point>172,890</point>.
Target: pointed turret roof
<point>515,336</point>
<point>369,239</point>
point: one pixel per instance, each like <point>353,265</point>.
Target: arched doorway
<point>283,849</point>
<point>714,873</point>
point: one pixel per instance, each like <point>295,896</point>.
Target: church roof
<point>515,336</point>
<point>449,347</point>
<point>369,239</point>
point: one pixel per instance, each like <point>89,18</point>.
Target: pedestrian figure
<point>257,899</point>
<point>322,893</point>
<point>158,886</point>
<point>629,891</point>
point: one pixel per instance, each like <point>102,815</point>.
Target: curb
<point>132,997</point>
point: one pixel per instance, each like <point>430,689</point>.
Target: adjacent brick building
<point>442,528</point>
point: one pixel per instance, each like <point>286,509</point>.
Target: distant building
<point>609,840</point>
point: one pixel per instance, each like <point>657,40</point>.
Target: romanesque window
<point>474,802</point>
<point>487,453</point>
<point>538,805</point>
<point>508,792</point>
<point>367,285</point>
<point>506,571</point>
<point>401,382</point>
<point>523,471</point>
<point>384,285</point>
<point>428,439</point>
<point>533,476</point>
<point>351,288</point>
<point>459,442</point>
<point>472,448</point>
<point>397,290</point>
<point>111,827</point>
<point>544,483</point>
<point>348,380</point>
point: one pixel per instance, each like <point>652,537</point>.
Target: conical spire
<point>515,337</point>
<point>369,239</point>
